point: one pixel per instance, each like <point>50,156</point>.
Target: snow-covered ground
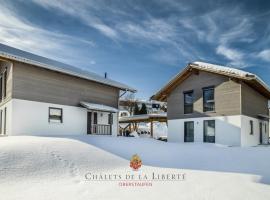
<point>55,168</point>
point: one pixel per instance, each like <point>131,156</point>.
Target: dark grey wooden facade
<point>231,97</point>
<point>33,83</point>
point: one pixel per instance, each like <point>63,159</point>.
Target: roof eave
<point>161,95</point>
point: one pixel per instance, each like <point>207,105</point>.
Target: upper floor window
<point>56,115</point>
<point>188,102</point>
<point>208,99</point>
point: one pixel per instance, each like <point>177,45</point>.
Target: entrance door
<point>189,132</point>
<point>261,132</point>
<point>89,123</point>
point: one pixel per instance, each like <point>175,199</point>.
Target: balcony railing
<point>101,129</point>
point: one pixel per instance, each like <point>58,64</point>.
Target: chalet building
<point>216,104</point>
<point>40,96</point>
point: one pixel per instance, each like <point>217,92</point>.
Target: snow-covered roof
<point>29,58</point>
<point>98,107</point>
<point>230,71</point>
<point>218,69</point>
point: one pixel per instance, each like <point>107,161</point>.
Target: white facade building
<point>216,104</point>
<point>39,96</point>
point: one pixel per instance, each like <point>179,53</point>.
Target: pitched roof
<point>39,61</point>
<point>251,79</point>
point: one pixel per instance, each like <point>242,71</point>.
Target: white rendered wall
<point>250,140</point>
<point>31,118</point>
<point>227,130</point>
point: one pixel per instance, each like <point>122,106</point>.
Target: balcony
<point>101,129</point>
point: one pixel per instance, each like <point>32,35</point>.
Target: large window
<point>189,132</point>
<point>188,102</point>
<point>209,131</point>
<point>208,99</point>
<point>56,115</point>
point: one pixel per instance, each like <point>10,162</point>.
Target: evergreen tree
<point>143,109</point>
<point>136,109</point>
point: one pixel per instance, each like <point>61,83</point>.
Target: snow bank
<point>54,168</point>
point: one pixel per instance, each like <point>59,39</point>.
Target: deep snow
<point>54,168</point>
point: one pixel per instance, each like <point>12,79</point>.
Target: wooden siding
<point>227,96</point>
<point>253,103</point>
<point>43,85</point>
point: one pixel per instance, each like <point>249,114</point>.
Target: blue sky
<point>141,43</point>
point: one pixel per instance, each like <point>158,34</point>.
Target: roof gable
<point>251,79</point>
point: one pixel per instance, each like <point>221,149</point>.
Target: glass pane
<point>56,112</point>
<point>209,131</point>
<point>188,98</point>
<point>188,102</point>
<point>210,128</point>
<point>189,132</point>
<point>208,100</point>
<point>188,109</point>
<point>209,94</point>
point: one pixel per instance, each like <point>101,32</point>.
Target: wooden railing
<point>101,129</point>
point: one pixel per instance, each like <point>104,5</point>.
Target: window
<point>5,83</point>
<point>5,120</point>
<point>188,102</point>
<point>1,117</point>
<point>208,99</point>
<point>110,118</point>
<point>209,131</point>
<point>56,115</point>
<point>1,88</point>
<point>189,132</point>
<point>251,127</point>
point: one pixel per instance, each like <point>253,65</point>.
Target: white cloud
<point>265,55</point>
<point>235,57</point>
<point>81,10</point>
<point>193,26</point>
<point>241,30</point>
<point>152,29</point>
<point>19,33</point>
